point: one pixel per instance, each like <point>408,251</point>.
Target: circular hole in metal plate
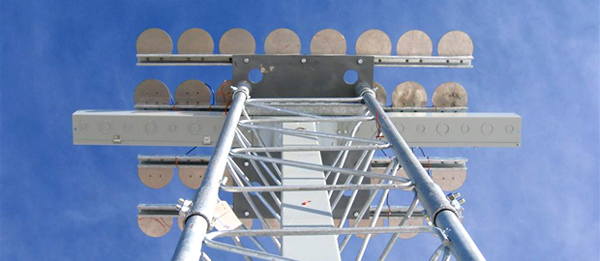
<point>154,41</point>
<point>237,41</point>
<point>414,42</point>
<point>373,42</point>
<point>351,76</point>
<point>155,177</point>
<point>195,41</point>
<point>151,92</point>
<point>282,41</point>
<point>380,93</point>
<point>224,94</point>
<point>192,92</point>
<point>255,75</point>
<point>455,43</point>
<point>191,177</point>
<point>328,41</point>
<point>155,226</point>
<point>450,94</point>
<point>409,94</point>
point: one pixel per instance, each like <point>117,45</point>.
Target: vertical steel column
<point>200,215</point>
<point>430,194</point>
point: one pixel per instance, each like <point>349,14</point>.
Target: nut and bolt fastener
<point>355,214</point>
<point>360,61</point>
<point>246,60</point>
<point>303,60</point>
<point>246,213</point>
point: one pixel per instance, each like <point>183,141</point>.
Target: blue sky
<point>539,59</point>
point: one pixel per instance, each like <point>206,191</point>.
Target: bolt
<point>246,163</point>
<point>246,60</point>
<point>246,213</point>
<point>303,60</point>
<point>461,201</point>
<point>360,61</point>
<point>355,214</point>
<point>181,200</point>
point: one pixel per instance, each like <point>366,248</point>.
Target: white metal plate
<point>414,42</point>
<point>409,94</point>
<point>455,43</point>
<point>282,41</point>
<point>225,219</point>
<point>155,176</point>
<point>154,41</point>
<point>373,42</point>
<point>450,94</point>
<point>155,226</point>
<point>195,41</point>
<point>192,92</point>
<point>237,41</point>
<point>328,41</point>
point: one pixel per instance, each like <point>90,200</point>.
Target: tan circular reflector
<point>373,42</point>
<point>380,93</point>
<point>455,43</point>
<point>237,41</point>
<point>409,94</point>
<point>155,227</point>
<point>191,176</point>
<point>224,94</point>
<point>180,222</point>
<point>151,92</point>
<point>450,94</point>
<point>449,179</point>
<point>247,222</point>
<point>328,41</point>
<point>414,42</point>
<point>155,177</point>
<point>195,41</point>
<point>413,221</point>
<point>192,92</point>
<point>282,41</point>
<point>154,41</point>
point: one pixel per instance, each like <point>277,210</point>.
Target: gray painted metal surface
<point>183,128</point>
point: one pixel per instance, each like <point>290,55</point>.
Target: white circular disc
<point>380,93</point>
<point>224,94</point>
<point>155,227</point>
<point>413,221</point>
<point>192,92</point>
<point>409,94</point>
<point>373,42</point>
<point>151,92</point>
<point>414,42</point>
<point>195,41</point>
<point>328,41</point>
<point>154,41</point>
<point>449,179</point>
<point>455,43</point>
<point>191,177</point>
<point>237,41</point>
<point>155,177</point>
<point>282,41</point>
<point>450,94</point>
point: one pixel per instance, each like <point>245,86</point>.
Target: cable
<point>191,150</point>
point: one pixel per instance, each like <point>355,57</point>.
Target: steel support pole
<point>201,213</point>
<point>432,197</point>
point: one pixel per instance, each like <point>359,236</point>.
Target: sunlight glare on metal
<point>328,41</point>
<point>237,41</point>
<point>151,92</point>
<point>455,43</point>
<point>414,42</point>
<point>409,94</point>
<point>373,42</point>
<point>154,41</point>
<point>195,41</point>
<point>450,94</point>
<point>282,41</point>
<point>193,92</point>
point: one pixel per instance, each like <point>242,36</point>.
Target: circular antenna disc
<point>154,41</point>
<point>455,43</point>
<point>409,94</point>
<point>195,41</point>
<point>366,223</point>
<point>247,222</point>
<point>155,177</point>
<point>380,93</point>
<point>414,42</point>
<point>282,41</point>
<point>237,41</point>
<point>450,94</point>
<point>191,177</point>
<point>224,93</point>
<point>192,92</point>
<point>151,92</point>
<point>328,41</point>
<point>373,42</point>
<point>449,179</point>
<point>155,226</point>
<point>180,222</point>
<point>413,221</point>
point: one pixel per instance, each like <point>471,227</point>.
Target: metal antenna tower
<point>296,138</point>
